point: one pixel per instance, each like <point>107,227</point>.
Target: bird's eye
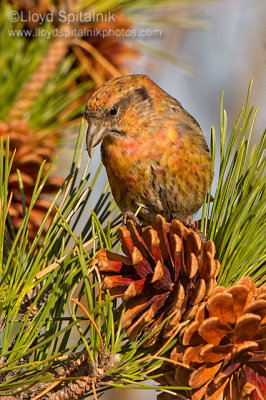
<point>113,111</point>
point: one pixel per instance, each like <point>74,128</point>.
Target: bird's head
<point>118,106</point>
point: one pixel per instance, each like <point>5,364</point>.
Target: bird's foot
<point>130,215</point>
<point>203,237</point>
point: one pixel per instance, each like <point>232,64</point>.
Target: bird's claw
<point>203,237</point>
<point>130,215</point>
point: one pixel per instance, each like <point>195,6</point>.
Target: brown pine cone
<point>166,273</point>
<point>223,351</point>
<point>30,153</point>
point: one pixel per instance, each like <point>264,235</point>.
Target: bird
<point>155,153</point>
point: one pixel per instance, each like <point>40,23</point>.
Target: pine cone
<point>223,351</point>
<point>30,153</point>
<point>166,273</point>
<point>39,79</point>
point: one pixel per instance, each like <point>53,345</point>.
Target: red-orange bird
<point>154,151</point>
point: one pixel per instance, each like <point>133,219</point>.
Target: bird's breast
<point>128,169</point>
<point>122,159</point>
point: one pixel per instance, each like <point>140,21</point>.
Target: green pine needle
<point>237,221</point>
<point>19,59</point>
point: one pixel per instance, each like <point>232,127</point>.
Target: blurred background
<point>192,49</point>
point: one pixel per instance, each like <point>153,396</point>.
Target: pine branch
<point>236,220</point>
<point>37,285</point>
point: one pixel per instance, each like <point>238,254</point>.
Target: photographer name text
<point>62,16</point>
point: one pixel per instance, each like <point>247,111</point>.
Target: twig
<point>48,389</point>
<point>94,390</point>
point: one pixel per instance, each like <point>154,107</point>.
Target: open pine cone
<point>222,353</point>
<point>166,273</point>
